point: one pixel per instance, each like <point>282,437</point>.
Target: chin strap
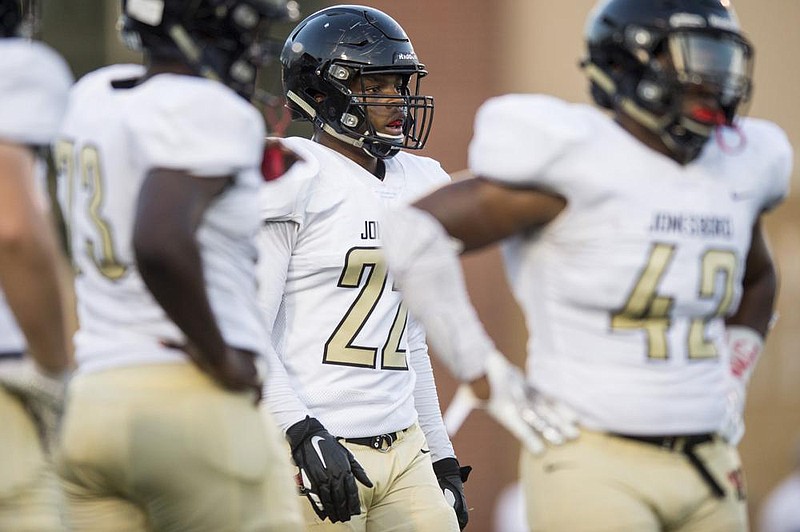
<point>191,51</point>
<point>312,114</point>
<point>369,148</point>
<point>695,133</point>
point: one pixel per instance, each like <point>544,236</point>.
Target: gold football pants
<point>163,448</point>
<point>29,500</point>
<point>406,496</point>
<point>602,482</point>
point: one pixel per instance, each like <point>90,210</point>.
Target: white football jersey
<point>625,293</point>
<point>34,83</point>
<point>341,327</point>
<point>110,139</point>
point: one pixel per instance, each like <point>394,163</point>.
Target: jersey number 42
<point>647,310</point>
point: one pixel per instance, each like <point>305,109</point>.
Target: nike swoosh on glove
<point>328,471</point>
<point>451,477</point>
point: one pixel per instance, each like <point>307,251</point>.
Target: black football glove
<point>328,471</point>
<point>451,477</point>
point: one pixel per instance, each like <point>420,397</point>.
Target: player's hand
<point>42,395</point>
<point>237,370</point>
<point>452,476</point>
<point>328,471</point>
<point>530,416</point>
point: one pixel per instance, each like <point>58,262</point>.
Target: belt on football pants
<point>377,442</point>
<point>11,355</point>
<point>684,444</point>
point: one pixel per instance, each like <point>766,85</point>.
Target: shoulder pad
<point>517,136</point>
<point>34,85</point>
<point>196,125</point>
<point>285,198</point>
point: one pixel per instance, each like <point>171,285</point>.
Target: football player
<point>34,82</point>
<point>160,169</point>
<point>635,246</point>
<point>357,396</point>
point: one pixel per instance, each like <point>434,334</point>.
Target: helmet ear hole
<point>315,95</point>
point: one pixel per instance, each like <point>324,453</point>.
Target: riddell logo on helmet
<point>405,56</point>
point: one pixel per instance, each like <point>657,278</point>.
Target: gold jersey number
<point>340,348</point>
<point>85,170</point>
<point>645,309</point>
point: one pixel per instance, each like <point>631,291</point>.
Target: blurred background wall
<point>475,49</point>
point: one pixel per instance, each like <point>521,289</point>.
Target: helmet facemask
<point>680,84</point>
<point>354,113</point>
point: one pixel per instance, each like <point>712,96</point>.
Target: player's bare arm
<point>747,329</point>
<point>170,208</point>
<point>759,286</point>
<point>29,256</point>
<point>479,212</point>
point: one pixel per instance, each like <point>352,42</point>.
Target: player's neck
<point>159,66</point>
<point>645,136</point>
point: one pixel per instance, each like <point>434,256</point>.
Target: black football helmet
<point>333,47</point>
<point>222,40</point>
<point>645,55</point>
<point>19,18</point>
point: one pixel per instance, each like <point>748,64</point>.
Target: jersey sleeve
<point>197,126</point>
<point>433,171</point>
<point>517,136</point>
<point>772,149</point>
<point>435,177</point>
<point>285,198</point>
<point>34,85</point>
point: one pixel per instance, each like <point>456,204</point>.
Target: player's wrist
<point>55,371</point>
<point>746,345</point>
<point>302,430</point>
<point>446,466</point>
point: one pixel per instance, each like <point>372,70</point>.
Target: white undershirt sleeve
<point>275,243</point>
<point>426,400</point>
<point>424,260</point>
